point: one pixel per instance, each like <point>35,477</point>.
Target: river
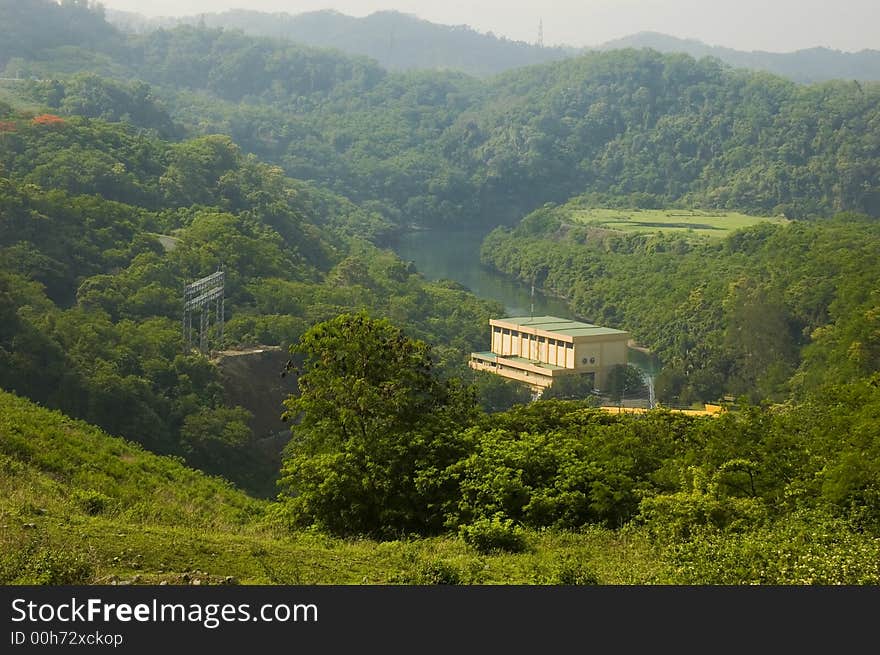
<point>454,254</point>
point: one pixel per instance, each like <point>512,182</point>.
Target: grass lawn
<point>705,223</point>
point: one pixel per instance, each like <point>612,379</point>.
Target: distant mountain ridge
<point>808,65</point>
<point>397,41</point>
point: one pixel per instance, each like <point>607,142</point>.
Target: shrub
<point>677,516</point>
<point>573,572</point>
<point>494,534</point>
<point>432,572</point>
<point>92,502</point>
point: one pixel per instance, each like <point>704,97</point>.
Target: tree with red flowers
<point>47,119</point>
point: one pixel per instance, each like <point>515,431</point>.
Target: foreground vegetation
<point>78,506</point>
<point>81,507</point>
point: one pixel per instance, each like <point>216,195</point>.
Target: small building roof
<point>560,326</point>
<point>533,362</point>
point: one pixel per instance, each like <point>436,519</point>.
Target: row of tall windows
<point>530,346</point>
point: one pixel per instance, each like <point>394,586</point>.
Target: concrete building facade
<point>536,350</point>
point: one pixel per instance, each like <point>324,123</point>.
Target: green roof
<point>533,362</point>
<point>560,326</point>
<point>494,357</point>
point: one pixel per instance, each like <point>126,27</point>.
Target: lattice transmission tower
<point>205,297</point>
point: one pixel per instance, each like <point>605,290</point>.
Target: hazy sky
<point>774,25</point>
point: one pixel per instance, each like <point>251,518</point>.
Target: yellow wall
<point>535,345</point>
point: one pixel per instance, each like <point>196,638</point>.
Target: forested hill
<point>402,42</point>
<point>33,27</point>
<point>767,311</point>
<point>103,223</point>
<point>437,147</point>
<point>397,41</point>
<point>809,65</point>
<point>668,128</point>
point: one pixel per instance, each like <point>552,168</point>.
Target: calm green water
<point>455,255</point>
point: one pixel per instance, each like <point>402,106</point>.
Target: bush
<point>92,502</point>
<point>432,572</point>
<point>574,572</point>
<point>676,516</point>
<point>494,534</point>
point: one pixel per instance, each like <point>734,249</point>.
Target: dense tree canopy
<point>437,147</point>
<point>103,224</point>
<point>374,433</point>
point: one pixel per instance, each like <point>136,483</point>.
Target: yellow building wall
<point>605,350</point>
<point>586,351</point>
<point>613,352</point>
<point>537,347</point>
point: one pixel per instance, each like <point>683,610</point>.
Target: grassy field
<point>706,223</point>
<point>78,506</point>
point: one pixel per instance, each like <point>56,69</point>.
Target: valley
<point>368,223</point>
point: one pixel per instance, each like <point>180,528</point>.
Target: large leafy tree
<point>375,433</point>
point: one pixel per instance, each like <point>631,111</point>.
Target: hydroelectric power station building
<point>538,350</point>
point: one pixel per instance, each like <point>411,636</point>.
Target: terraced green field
<point>705,223</point>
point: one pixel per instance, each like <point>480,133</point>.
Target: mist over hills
<point>397,41</point>
<point>401,41</point>
<point>810,65</point>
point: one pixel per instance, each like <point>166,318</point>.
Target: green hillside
<point>75,498</point>
<point>440,147</point>
<point>78,506</point>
